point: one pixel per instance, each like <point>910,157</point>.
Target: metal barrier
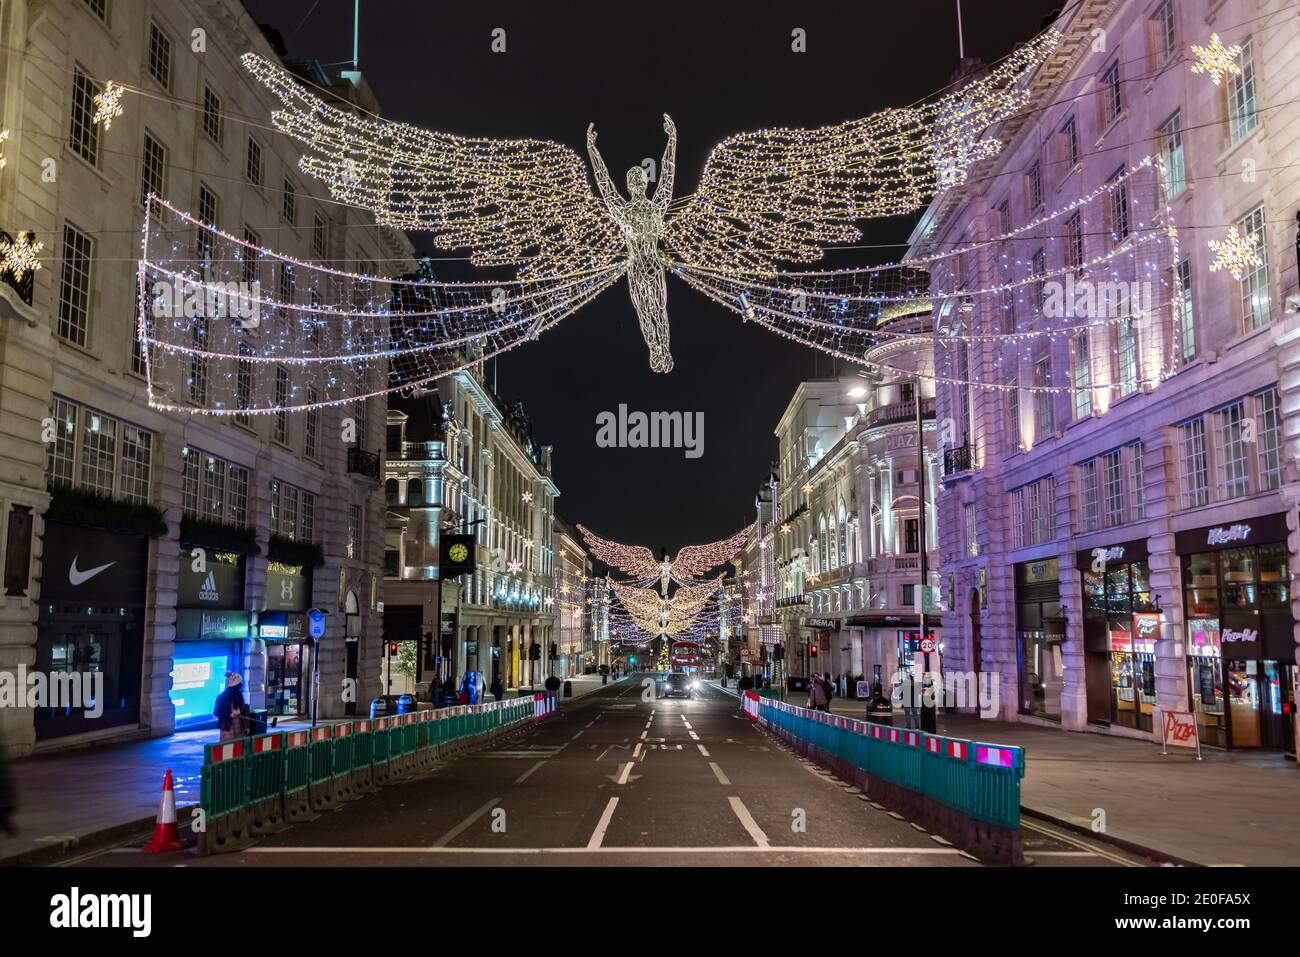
<point>254,786</point>
<point>964,788</point>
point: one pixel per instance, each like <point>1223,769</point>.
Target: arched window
<point>415,492</point>
<point>391,491</point>
<point>824,563</point>
<point>843,536</point>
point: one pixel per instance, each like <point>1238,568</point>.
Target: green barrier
<point>266,768</point>
<point>224,783</point>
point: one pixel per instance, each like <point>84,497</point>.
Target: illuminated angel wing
<point>635,560</point>
<point>694,560</point>
<point>782,195</point>
<point>510,202</point>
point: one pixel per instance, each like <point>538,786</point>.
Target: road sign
<point>316,623</point>
<point>927,645</point>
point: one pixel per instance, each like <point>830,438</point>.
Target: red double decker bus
<point>686,656</point>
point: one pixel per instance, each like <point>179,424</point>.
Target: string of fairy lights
<point>766,198</point>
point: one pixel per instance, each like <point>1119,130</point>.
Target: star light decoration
<point>108,105</point>
<point>1215,60</point>
<point>765,198</point>
<point>1236,253</point>
<point>19,257</point>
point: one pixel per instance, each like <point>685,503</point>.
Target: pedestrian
<point>829,687</point>
<point>817,693</point>
<point>449,692</point>
<point>746,683</point>
<point>231,709</point>
<point>498,689</point>
<point>908,688</point>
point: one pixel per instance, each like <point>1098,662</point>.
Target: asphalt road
<point>619,778</point>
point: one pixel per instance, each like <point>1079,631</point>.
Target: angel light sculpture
<point>765,198</point>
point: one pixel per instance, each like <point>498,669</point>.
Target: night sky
<point>717,68</point>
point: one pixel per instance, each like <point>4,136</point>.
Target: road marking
<point>523,777</point>
<point>717,773</point>
<point>687,723</point>
<point>627,769</point>
<point>1062,854</point>
<point>694,736</point>
<point>744,849</point>
<point>643,734</point>
<point>455,831</point>
<point>747,820</point>
<point>636,752</point>
<point>703,750</point>
<point>578,735</point>
<point>602,825</point>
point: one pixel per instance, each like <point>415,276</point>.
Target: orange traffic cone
<point>165,837</point>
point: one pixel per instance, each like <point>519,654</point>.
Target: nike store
<point>212,630</point>
<point>90,631</point>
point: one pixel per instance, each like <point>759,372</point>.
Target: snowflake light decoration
<point>528,497</point>
<point>1216,60</point>
<point>108,105</point>
<point>19,257</point>
<point>4,135</point>
<point>1236,253</point>
<point>514,567</point>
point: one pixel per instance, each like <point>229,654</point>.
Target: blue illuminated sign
<point>196,683</point>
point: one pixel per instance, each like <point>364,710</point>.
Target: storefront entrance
<point>1240,649</point>
<point>1120,630</point>
<point>1040,631</point>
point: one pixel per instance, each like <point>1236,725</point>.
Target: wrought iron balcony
<point>960,459</point>
<point>361,462</point>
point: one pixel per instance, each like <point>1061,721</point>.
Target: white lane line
<point>685,722</point>
<point>524,777</point>
<point>455,831</point>
<point>717,773</point>
<point>747,820</point>
<point>694,736</point>
<point>636,752</point>
<point>602,825</point>
<point>745,849</point>
<point>1062,854</point>
<point>627,769</point>
<point>703,750</point>
<point>578,735</point>
<point>643,734</point>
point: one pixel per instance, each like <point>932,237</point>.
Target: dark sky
<point>718,68</point>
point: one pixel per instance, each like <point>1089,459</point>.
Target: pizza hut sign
<point>1232,533</point>
<point>1245,634</point>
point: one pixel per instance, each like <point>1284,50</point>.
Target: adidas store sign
<point>209,590</point>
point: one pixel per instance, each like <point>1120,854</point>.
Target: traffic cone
<point>165,837</point>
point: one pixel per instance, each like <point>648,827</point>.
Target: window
<point>968,524</point>
<point>208,216</point>
<point>244,383</point>
<point>248,254</point>
<point>1074,243</point>
<point>213,488</point>
<point>907,596</point>
<point>1008,311</point>
<point>281,433</point>
<point>1081,355</point>
<point>1186,317</point>
<point>152,165</point>
<point>253,164</point>
<point>1171,152</point>
<point>1268,438</point>
<point>1126,349</point>
<point>1193,464</point>
<point>1091,495</point>
<point>98,7</point>
<point>293,511</point>
<point>289,204</point>
<point>310,423</point>
<point>1037,268</point>
<point>1013,418</point>
<point>1034,186</point>
<point>106,455</point>
<point>83,137</point>
<point>1111,488</point>
<point>1242,114</point>
<point>1033,512</point>
<point>1111,93</point>
<point>160,56</point>
<point>911,536</point>
<point>1044,421</point>
<point>198,362</point>
<point>137,345</point>
<point>74,286</point>
<point>1004,217</point>
<point>212,115</point>
<point>1070,144</point>
<point>1255,306</point>
<point>318,235</point>
<point>1112,474</point>
<point>1161,37</point>
<point>1137,480</point>
<point>354,531</point>
<point>1117,219</point>
<point>1231,455</point>
<point>286,283</point>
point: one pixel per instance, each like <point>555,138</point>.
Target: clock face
<point>458,553</point>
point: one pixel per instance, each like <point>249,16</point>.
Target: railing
<point>361,462</point>
<point>900,412</point>
<point>421,450</point>
<point>960,459</point>
<point>893,563</point>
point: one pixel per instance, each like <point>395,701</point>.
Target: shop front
<point>1040,632</point>
<point>1240,645</point>
<point>1121,624</point>
<point>212,632</point>
<point>890,645</point>
<point>90,629</point>
<point>283,630</point>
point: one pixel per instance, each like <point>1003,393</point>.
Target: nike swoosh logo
<point>76,577</point>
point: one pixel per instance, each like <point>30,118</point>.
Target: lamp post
<point>929,718</point>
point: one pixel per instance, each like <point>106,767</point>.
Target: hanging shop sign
<point>1102,556</point>
<point>194,624</point>
<point>827,624</point>
<point>288,587</point>
<point>215,582</point>
<point>282,626</point>
<point>1253,531</point>
<point>89,566</point>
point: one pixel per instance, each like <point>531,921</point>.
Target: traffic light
<point>392,648</point>
<point>812,651</point>
<point>534,652</point>
<point>555,650</point>
<point>778,653</point>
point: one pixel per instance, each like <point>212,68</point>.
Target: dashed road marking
<point>598,835</point>
<point>456,831</point>
<point>703,750</point>
<point>748,822</point>
<point>523,777</point>
<point>717,773</point>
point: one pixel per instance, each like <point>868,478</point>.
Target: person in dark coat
<point>448,692</point>
<point>498,687</point>
<point>231,710</point>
